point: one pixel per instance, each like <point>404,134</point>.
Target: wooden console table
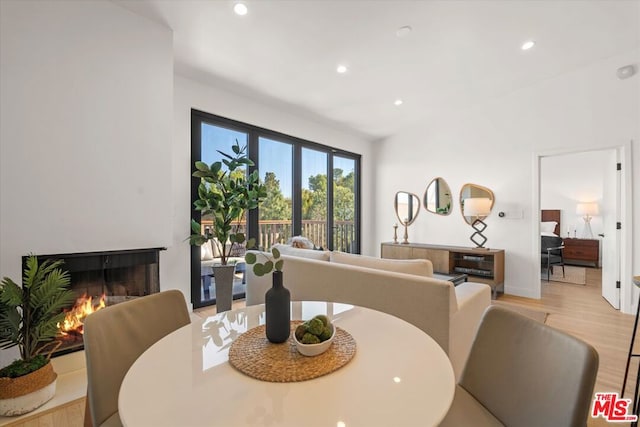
<point>580,251</point>
<point>481,265</point>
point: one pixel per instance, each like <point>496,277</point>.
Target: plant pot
<point>223,275</point>
<point>28,392</point>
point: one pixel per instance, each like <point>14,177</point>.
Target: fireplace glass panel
<point>101,279</point>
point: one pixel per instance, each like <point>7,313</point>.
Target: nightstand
<point>580,251</point>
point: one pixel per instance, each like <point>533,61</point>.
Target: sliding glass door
<point>212,141</point>
<point>344,205</point>
<point>275,224</point>
<point>314,197</point>
<point>312,191</point>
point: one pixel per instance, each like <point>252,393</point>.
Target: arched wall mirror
<point>483,202</point>
<point>437,197</point>
<point>407,206</point>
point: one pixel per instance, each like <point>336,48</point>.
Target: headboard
<point>551,215</point>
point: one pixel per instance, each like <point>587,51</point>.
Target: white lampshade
<point>477,206</point>
<point>587,209</point>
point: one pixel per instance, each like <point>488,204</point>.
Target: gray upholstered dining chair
<point>115,337</point>
<point>522,373</point>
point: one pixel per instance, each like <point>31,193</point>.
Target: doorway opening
<point>591,190</point>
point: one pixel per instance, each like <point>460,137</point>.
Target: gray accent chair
<point>551,253</point>
<point>115,337</point>
<point>521,373</point>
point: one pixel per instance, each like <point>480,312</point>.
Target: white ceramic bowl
<point>314,349</point>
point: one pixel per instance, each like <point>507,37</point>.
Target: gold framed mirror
<point>483,202</point>
<point>437,197</point>
<point>407,207</point>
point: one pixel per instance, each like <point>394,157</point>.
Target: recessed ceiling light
<point>240,9</point>
<point>528,45</point>
<point>403,31</point>
<point>341,69</point>
<point>397,102</point>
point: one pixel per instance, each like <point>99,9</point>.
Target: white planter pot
<point>24,394</point>
<point>27,403</point>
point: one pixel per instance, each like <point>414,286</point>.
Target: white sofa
<point>450,315</point>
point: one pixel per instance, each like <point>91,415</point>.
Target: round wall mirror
<point>482,204</point>
<point>437,198</point>
<point>407,206</point>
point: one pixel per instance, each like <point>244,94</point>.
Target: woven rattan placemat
<point>252,354</point>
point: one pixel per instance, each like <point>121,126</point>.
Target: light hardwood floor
<point>576,309</point>
<point>68,415</point>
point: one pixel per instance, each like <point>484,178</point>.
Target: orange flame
<point>74,319</point>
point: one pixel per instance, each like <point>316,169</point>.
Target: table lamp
<point>477,207</point>
<point>587,210</point>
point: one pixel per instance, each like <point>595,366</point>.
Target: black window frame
<point>253,134</point>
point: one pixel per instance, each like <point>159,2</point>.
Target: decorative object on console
<point>395,233</point>
<point>29,315</point>
<point>405,239</point>
<point>478,208</point>
<point>407,207</point>
<point>437,197</point>
<point>587,211</point>
<point>224,196</point>
<point>277,299</point>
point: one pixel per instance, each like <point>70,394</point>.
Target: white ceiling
<point>459,54</point>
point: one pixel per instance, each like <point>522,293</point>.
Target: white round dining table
<point>399,376</point>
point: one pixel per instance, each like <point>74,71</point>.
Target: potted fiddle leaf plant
<point>225,194</point>
<point>29,318</point>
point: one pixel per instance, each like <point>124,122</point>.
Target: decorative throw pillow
<point>215,244</point>
<point>206,253</point>
<point>417,267</point>
<point>301,242</point>
<point>303,253</point>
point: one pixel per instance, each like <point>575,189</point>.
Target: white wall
<point>86,127</point>
<point>569,179</point>
<point>494,145</point>
<point>190,94</point>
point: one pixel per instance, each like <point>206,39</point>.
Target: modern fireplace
<point>101,279</point>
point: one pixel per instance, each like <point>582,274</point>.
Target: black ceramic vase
<point>278,310</point>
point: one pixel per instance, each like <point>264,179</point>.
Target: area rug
<point>538,316</point>
<point>575,275</point>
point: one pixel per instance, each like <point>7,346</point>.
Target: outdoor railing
<point>280,231</point>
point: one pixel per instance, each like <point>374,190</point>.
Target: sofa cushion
<point>418,267</point>
<point>302,253</point>
<point>206,253</point>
